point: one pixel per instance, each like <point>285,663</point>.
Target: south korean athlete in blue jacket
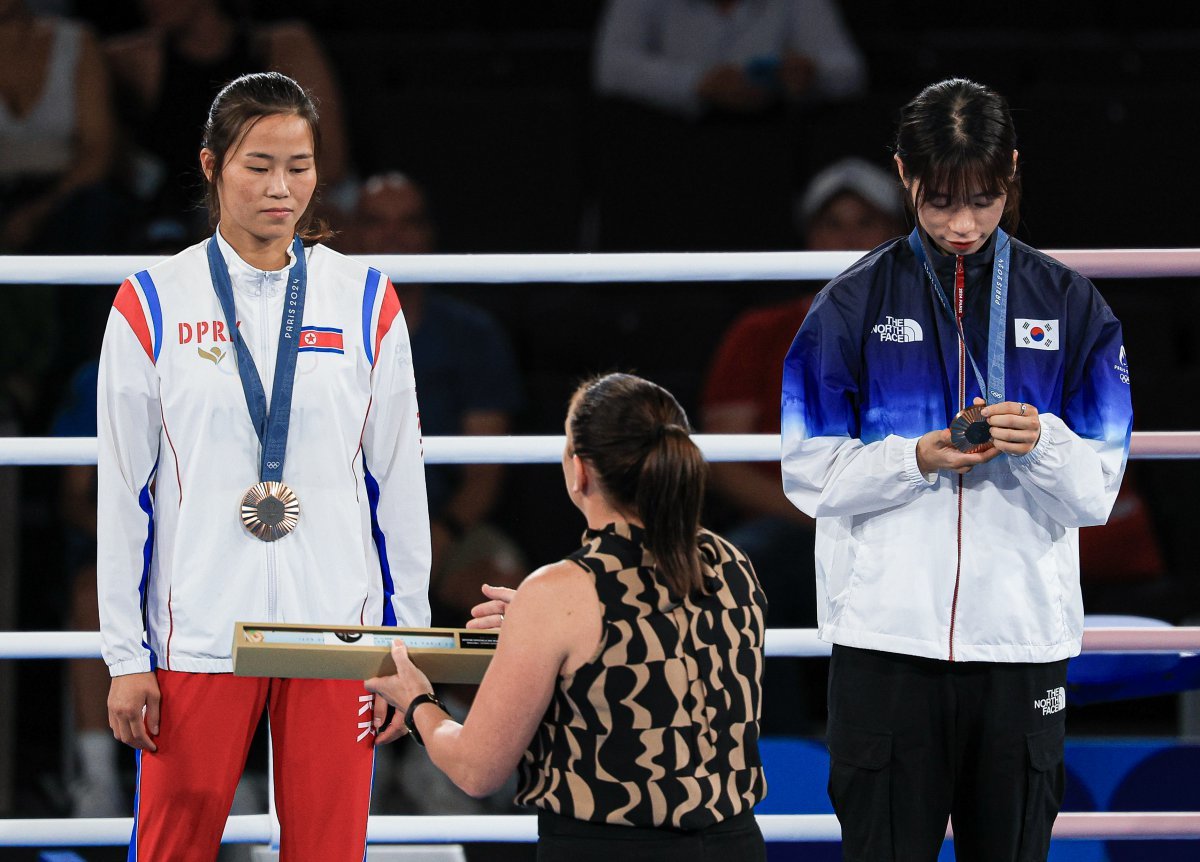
<point>955,406</point>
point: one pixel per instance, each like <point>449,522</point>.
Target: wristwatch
<point>409,714</point>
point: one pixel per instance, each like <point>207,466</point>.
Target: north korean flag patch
<point>320,339</point>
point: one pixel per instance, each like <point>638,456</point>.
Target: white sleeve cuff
<point>1039,451</point>
<point>912,472</point>
<point>130,665</point>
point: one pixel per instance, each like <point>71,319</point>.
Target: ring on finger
<point>1024,407</point>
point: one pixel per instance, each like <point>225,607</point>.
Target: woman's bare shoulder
<point>561,578</point>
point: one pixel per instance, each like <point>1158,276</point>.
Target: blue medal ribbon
<point>272,429</point>
<point>997,317</point>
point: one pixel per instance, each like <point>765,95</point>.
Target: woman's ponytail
<point>637,438</point>
<point>669,497</point>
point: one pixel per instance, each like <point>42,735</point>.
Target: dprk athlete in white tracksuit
<point>176,567</point>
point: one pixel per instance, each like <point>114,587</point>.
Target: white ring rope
<point>548,449</point>
<point>779,642</point>
<point>522,828</point>
<point>637,267</point>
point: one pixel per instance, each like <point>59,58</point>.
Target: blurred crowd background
<point>543,126</point>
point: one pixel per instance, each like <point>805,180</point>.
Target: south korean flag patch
<point>1037,334</point>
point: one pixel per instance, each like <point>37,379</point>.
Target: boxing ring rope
<point>522,828</point>
<point>491,268</point>
<point>780,643</point>
<point>585,268</point>
<point>548,449</point>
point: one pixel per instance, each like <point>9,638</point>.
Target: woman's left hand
<point>1014,425</point>
<point>399,689</point>
<point>490,614</point>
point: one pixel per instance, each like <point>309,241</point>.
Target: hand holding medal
<point>936,451</point>
<point>978,434</point>
<point>1014,426</point>
<point>969,432</point>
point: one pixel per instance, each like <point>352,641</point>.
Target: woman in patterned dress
<point>626,686</point>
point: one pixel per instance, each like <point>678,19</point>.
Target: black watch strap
<point>410,713</point>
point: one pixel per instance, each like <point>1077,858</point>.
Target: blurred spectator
<point>56,136</point>
<point>467,381</point>
<point>709,104</point>
<point>1124,551</point>
<point>467,384</point>
<point>167,75</point>
<point>686,56</point>
<point>1122,568</point>
<point>850,206</point>
<point>93,779</point>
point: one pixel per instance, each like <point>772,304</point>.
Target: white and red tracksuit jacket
<point>177,451</point>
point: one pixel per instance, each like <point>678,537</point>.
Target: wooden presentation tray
<point>358,652</point>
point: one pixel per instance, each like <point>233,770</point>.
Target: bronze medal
<point>270,510</point>
<point>969,432</point>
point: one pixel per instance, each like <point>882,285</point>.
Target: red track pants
<point>323,759</point>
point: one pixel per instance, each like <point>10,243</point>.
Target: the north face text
<point>1054,701</point>
<point>900,329</point>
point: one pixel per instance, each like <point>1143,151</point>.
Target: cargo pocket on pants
<point>1045,778</point>
<point>860,780</point>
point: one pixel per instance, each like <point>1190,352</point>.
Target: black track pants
<point>913,741</point>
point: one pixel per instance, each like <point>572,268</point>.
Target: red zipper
<point>959,293</point>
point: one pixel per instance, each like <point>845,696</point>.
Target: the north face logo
<point>898,329</point>
<point>1054,701</point>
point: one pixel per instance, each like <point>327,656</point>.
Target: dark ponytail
<point>637,439</point>
<point>957,138</point>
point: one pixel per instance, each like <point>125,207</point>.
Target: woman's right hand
<point>490,614</point>
<point>935,452</point>
<point>133,708</point>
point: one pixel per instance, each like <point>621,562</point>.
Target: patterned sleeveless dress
<point>660,727</point>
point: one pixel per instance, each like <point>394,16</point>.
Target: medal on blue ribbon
<point>969,431</point>
<point>270,509</point>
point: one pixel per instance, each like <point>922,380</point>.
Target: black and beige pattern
<point>660,727</point>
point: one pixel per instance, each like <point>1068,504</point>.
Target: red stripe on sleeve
<point>387,313</point>
<point>130,306</point>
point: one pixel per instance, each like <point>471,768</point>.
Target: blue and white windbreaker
<point>985,570</point>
